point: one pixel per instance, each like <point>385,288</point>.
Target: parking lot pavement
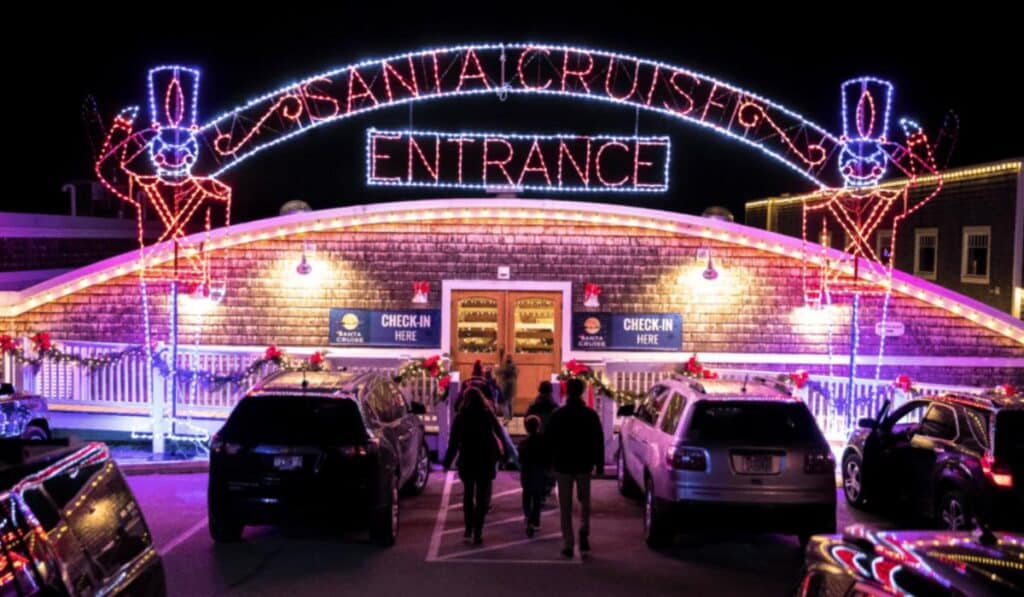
<point>431,559</point>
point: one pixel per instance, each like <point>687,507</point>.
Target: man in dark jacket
<point>576,441</point>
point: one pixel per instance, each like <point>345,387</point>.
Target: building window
<point>883,246</point>
<point>926,252</point>
<point>976,255</point>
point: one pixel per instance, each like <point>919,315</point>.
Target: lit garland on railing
<point>209,380</point>
<point>577,370</point>
<point>45,350</point>
<point>435,367</point>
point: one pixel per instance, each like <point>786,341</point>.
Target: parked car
<point>314,446</point>
<point>949,458</point>
<point>22,415</point>
<point>713,452</point>
<point>920,563</point>
<point>72,526</point>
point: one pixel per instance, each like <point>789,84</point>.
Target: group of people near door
<point>564,445</point>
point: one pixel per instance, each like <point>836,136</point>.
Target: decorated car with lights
<point>952,458</point>
<point>72,526</point>
<point>22,415</point>
<point>921,563</point>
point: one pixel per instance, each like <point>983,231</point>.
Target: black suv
<point>949,457</point>
<point>316,446</point>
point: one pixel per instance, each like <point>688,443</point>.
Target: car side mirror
<point>867,423</point>
<point>417,408</point>
<point>627,410</point>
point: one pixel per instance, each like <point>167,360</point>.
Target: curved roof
<point>501,209</point>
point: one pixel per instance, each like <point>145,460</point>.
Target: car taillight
<point>998,475</point>
<point>687,459</point>
<point>819,461</point>
<point>219,446</point>
<point>352,451</point>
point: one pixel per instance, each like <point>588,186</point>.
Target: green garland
<point>435,367</point>
<point>577,370</point>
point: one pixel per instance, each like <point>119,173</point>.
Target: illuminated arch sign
<point>508,160</point>
<point>501,69</point>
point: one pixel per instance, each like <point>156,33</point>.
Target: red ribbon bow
<point>903,383</point>
<point>576,368</point>
<point>1006,389</point>
<point>42,341</point>
<point>273,353</point>
<point>799,378</point>
<point>591,290</point>
<point>316,359</point>
<point>421,287</point>
<point>693,367</point>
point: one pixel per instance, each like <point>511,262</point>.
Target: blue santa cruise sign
<point>363,327</point>
<point>627,331</point>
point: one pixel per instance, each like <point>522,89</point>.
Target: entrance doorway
<point>527,325</point>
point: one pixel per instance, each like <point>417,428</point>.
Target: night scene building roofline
<point>13,304</point>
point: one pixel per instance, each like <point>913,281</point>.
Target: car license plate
<point>757,464</point>
<point>287,463</point>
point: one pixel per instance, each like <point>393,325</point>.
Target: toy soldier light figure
<point>152,170</point>
<point>861,207</point>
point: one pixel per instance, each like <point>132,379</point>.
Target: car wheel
<point>853,481</point>
<point>954,511</point>
<point>223,528</point>
<point>35,433</point>
<point>384,525</point>
<point>421,474</point>
<point>656,531</point>
<point>627,486</point>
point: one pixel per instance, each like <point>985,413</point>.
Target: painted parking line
<point>434,553</point>
<point>183,537</point>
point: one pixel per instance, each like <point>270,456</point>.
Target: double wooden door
<point>524,325</point>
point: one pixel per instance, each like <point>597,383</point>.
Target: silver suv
<point>710,451</point>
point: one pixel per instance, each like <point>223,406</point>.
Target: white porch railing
<point>123,387</point>
<point>822,392</point>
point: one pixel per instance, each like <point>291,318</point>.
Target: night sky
<point>956,62</point>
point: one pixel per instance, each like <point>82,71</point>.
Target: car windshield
<point>289,420</point>
<point>1010,437</point>
<point>752,422</point>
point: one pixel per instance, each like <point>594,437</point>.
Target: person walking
<point>475,439</point>
<point>534,462</point>
<point>507,374</point>
<point>576,442</point>
<point>543,405</point>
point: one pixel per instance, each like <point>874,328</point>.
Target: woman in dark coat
<point>475,439</point>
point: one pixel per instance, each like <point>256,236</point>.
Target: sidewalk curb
<point>180,467</point>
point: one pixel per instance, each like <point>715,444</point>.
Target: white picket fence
<point>126,385</point>
<point>123,387</point>
<point>821,393</point>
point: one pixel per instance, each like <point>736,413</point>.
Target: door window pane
<point>478,325</point>
<point>534,326</point>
